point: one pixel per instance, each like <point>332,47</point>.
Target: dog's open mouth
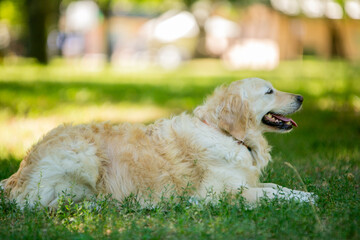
<point>278,121</point>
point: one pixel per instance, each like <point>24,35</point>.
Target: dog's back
<point>91,159</point>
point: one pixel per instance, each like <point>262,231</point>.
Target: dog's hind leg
<point>55,173</point>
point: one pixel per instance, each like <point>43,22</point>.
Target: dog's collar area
<point>240,142</point>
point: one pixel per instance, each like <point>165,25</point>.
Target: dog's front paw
<point>304,196</point>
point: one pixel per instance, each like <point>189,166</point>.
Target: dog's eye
<point>270,91</point>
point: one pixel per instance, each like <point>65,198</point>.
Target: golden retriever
<point>220,147</point>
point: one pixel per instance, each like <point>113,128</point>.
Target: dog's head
<point>250,104</point>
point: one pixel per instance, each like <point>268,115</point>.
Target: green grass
<point>324,150</point>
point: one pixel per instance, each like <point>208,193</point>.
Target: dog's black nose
<point>299,98</point>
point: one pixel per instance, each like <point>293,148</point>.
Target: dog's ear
<point>207,110</point>
<point>234,116</point>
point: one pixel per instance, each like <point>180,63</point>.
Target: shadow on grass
<point>24,97</point>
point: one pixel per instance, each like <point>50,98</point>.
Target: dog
<point>220,147</point>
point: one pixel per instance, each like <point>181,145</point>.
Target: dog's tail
<point>8,184</point>
<point>5,190</point>
<point>3,185</point>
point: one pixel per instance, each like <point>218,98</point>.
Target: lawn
<point>324,150</point>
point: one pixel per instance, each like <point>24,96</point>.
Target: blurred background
<point>137,34</point>
<point>139,60</point>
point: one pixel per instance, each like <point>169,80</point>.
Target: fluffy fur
<point>194,153</point>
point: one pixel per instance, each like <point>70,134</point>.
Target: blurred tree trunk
<point>105,8</point>
<point>337,49</point>
<point>200,49</point>
<point>36,11</point>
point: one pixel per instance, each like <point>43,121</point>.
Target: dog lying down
<point>220,147</point>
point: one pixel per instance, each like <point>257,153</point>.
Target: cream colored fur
<point>194,153</point>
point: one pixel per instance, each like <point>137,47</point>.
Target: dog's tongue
<point>282,118</point>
